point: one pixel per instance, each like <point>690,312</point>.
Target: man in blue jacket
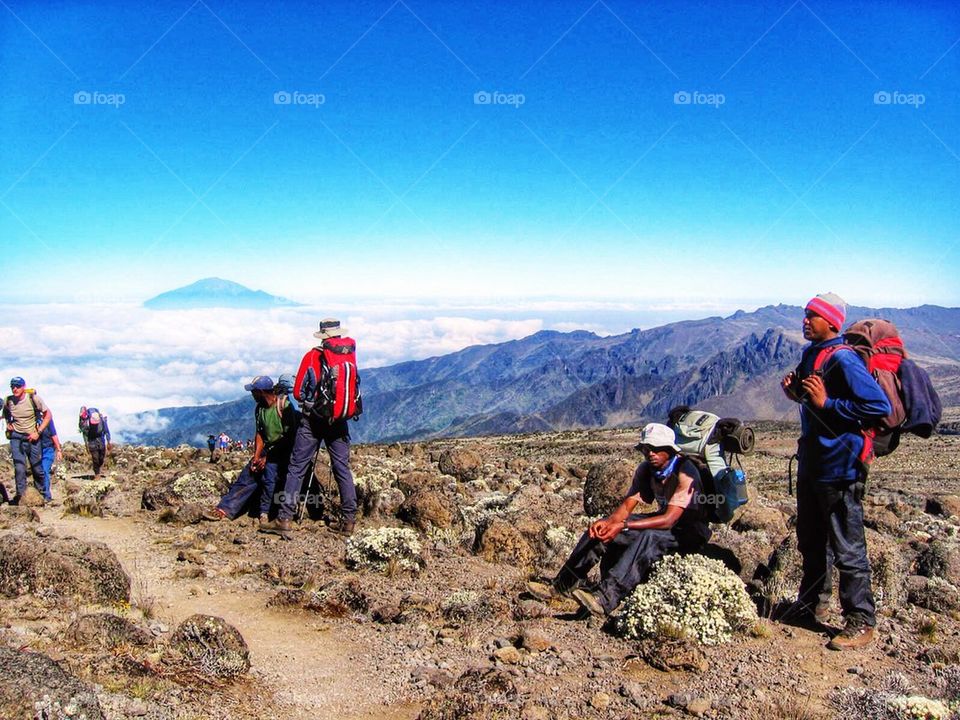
<point>838,398</point>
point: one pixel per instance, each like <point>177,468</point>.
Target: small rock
<point>600,701</point>
<point>535,641</point>
<point>855,670</point>
<point>634,693</point>
<point>532,711</point>
<point>508,655</point>
<point>502,642</point>
<point>699,706</point>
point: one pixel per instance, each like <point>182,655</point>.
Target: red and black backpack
<point>329,382</point>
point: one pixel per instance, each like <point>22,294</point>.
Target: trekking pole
<point>790,474</point>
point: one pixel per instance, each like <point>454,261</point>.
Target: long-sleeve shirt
<point>831,437</point>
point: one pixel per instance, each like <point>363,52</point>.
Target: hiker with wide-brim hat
<point>316,428</point>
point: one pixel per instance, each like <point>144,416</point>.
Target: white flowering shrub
<point>691,596</point>
<point>484,510</point>
<point>378,548</point>
<point>87,500</point>
<point>916,707</point>
<point>560,540</point>
<point>195,486</point>
<point>893,699</point>
<point>373,479</point>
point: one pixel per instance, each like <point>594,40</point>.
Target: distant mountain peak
<point>214,292</point>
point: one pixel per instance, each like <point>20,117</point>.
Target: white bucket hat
<point>655,435</point>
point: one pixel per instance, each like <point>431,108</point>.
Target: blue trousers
<point>830,531</point>
<point>336,436</point>
<point>26,453</point>
<point>624,562</point>
<point>47,455</point>
<point>248,482</point>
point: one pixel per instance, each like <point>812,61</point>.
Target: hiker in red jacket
<point>315,428</point>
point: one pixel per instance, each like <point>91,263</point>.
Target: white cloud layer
<point>125,359</point>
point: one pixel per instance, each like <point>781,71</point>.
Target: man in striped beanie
<point>837,396</point>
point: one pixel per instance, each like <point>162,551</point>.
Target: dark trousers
<point>336,436</point>
<point>98,453</point>
<point>48,455</point>
<point>26,453</point>
<point>625,561</point>
<point>830,531</point>
<point>248,482</point>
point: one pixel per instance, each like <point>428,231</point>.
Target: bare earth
<point>330,640</point>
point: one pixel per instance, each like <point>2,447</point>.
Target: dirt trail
<point>315,670</point>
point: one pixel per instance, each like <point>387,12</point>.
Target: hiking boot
<point>214,515</point>
<point>264,519</point>
<point>855,635</point>
<point>542,591</point>
<point>283,528</point>
<point>344,527</point>
<point>589,602</point>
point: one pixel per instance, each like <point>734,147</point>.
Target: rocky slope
<point>118,602</point>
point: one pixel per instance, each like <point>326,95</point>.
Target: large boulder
<point>943,505</point>
<point>465,465</point>
<point>754,516</point>
<point>606,486</point>
<point>499,541</point>
<point>202,487</point>
<point>34,686</point>
<point>211,646</point>
<point>61,567</point>
<point>106,631</point>
<point>428,508</point>
<point>417,480</point>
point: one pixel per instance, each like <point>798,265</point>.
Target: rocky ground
<point>116,601</point>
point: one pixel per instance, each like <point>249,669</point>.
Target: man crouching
<point>627,545</point>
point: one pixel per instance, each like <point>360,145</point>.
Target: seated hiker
<point>276,423</point>
<point>626,545</point>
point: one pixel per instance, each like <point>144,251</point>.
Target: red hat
<point>831,307</point>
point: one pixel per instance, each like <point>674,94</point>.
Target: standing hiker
<point>626,545</point>
<point>276,423</point>
<point>212,445</point>
<point>96,434</point>
<point>837,397</point>
<point>27,417</point>
<point>51,451</point>
<point>327,388</point>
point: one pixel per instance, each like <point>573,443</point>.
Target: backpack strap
<point>824,355</point>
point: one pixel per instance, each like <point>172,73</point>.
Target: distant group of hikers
<point>856,393</point>
<point>35,445</point>
<point>223,443</point>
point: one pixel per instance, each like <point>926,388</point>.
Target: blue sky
<point>585,176</point>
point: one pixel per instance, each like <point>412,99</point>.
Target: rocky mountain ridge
<point>557,381</point>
